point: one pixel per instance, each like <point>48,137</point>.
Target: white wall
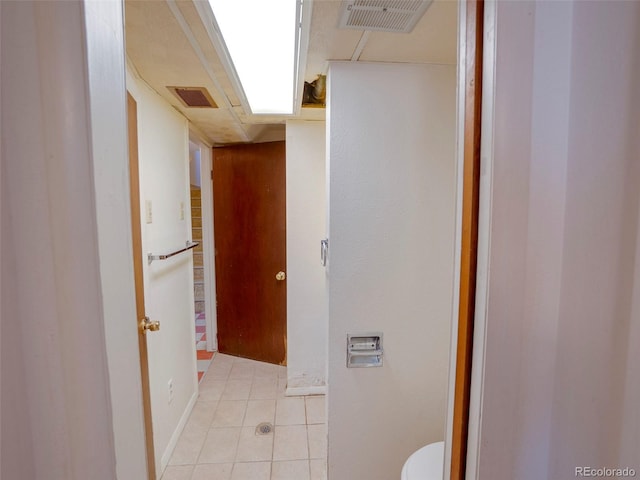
<point>391,135</point>
<point>560,368</point>
<point>56,404</point>
<point>163,145</point>
<point>307,304</point>
<point>194,165</point>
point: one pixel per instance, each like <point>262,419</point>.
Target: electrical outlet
<point>181,210</point>
<point>170,390</point>
<point>148,211</point>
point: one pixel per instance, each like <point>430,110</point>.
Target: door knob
<point>148,325</point>
<point>280,276</point>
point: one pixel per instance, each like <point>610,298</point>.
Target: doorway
<point>202,324</point>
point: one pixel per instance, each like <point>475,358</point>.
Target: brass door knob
<point>148,325</point>
<point>280,276</point>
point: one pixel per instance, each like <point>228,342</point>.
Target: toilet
<point>425,464</point>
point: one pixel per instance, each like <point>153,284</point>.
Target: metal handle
<point>280,276</point>
<point>188,246</point>
<point>147,325</point>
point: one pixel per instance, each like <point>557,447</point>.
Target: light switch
<point>181,210</point>
<point>148,211</point>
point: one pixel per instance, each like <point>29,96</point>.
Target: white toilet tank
<point>425,464</point>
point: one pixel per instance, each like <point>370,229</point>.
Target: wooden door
<point>250,250</point>
<point>136,234</point>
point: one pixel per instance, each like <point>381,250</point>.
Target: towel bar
<point>189,245</point>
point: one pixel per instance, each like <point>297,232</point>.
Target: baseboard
<point>166,456</point>
<point>306,390</point>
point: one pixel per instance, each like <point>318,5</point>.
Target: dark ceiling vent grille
<point>382,15</point>
<point>196,97</point>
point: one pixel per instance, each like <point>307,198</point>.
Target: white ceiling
<point>167,44</point>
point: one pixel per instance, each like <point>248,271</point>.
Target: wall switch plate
<point>181,210</point>
<point>148,212</point>
<point>170,390</point>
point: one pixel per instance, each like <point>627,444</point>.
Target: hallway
<point>220,441</point>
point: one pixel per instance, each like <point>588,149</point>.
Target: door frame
<point>208,239</point>
<point>115,47</point>
<point>472,217</point>
<point>485,152</point>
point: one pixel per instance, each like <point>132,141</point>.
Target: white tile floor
<point>219,441</point>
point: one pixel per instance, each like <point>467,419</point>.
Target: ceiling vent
<point>197,97</point>
<point>383,15</point>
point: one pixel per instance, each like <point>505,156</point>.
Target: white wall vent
<point>382,15</point>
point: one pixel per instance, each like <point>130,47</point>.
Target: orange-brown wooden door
<point>136,234</point>
<point>250,250</point>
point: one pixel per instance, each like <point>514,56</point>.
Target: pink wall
<point>630,437</point>
<point>559,378</point>
<point>16,447</point>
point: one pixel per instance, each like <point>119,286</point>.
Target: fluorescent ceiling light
<point>261,38</point>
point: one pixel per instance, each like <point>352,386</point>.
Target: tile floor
<point>220,442</point>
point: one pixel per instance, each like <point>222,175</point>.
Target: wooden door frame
<point>471,34</point>
<point>136,234</point>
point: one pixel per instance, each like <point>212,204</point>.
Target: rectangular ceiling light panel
<point>383,15</point>
<point>261,37</point>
